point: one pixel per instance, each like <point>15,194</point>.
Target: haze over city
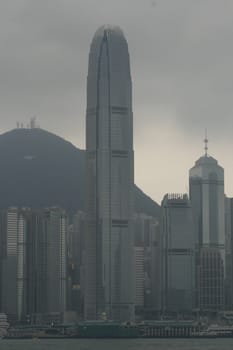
<point>181,62</point>
<point>116,205</point>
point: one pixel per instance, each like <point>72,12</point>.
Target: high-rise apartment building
<point>177,254</point>
<point>109,290</point>
<point>206,186</point>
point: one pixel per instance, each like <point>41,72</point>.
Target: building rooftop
<point>206,159</point>
<point>109,30</point>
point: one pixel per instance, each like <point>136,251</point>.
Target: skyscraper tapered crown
<point>117,50</point>
<point>109,30</point>
<point>205,166</point>
<point>109,86</point>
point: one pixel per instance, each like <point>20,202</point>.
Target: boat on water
<point>107,330</point>
<point>114,330</point>
<point>220,331</point>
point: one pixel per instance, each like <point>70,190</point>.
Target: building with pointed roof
<point>206,188</point>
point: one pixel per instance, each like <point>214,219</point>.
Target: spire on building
<point>206,143</point>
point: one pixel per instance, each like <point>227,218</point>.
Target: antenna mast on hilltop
<point>33,122</point>
<point>31,125</point>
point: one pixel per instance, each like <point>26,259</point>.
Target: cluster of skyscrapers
<point>33,262</point>
<point>111,263</point>
<point>191,272</point>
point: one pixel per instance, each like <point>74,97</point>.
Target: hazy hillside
<point>40,169</point>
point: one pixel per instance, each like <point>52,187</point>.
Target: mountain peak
<point>40,169</point>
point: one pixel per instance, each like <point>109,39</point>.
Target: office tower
<point>229,253</point>
<point>211,288</point>
<point>33,264</point>
<point>19,288</point>
<point>47,265</point>
<point>53,267</point>
<point>206,186</point>
<point>76,249</point>
<point>156,263</point>
<point>177,254</point>
<point>139,277</point>
<point>147,259</point>
<point>14,274</point>
<point>109,290</point>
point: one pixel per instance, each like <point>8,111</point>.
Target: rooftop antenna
<point>206,143</point>
<point>33,122</point>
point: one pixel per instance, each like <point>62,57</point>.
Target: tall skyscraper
<point>109,290</point>
<point>229,253</point>
<point>33,264</point>
<point>76,253</point>
<point>54,267</point>
<point>177,254</point>
<point>13,232</point>
<point>206,186</point>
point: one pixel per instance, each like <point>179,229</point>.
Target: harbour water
<point>128,344</point>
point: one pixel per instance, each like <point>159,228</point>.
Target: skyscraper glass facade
<point>109,290</point>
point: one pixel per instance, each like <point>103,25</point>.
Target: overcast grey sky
<point>182,69</point>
